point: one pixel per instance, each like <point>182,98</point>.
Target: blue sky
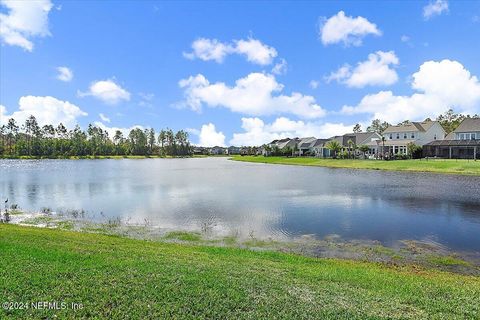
<point>238,72</point>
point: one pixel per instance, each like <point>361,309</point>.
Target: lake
<point>281,202</point>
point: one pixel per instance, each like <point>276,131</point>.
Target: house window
<point>413,135</point>
<point>391,136</point>
<point>434,137</point>
<point>405,136</point>
<point>473,136</point>
<point>398,135</point>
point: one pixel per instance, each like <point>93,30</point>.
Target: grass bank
<point>120,278</point>
<point>466,167</point>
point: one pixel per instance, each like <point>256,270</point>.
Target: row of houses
<point>232,150</point>
<point>464,142</point>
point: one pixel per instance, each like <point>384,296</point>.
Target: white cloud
<point>208,49</point>
<point>104,117</point>
<point>47,110</point>
<point>209,136</point>
<point>112,130</point>
<point>346,29</point>
<point>439,85</point>
<point>405,38</point>
<point>212,49</point>
<point>24,20</point>
<point>255,51</point>
<point>107,91</point>
<point>314,84</point>
<point>256,132</point>
<point>280,68</point>
<point>435,8</point>
<point>256,94</point>
<point>376,71</point>
<point>64,74</point>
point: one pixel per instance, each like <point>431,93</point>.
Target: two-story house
<point>463,142</point>
<point>398,137</point>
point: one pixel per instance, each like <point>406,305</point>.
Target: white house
<point>420,133</point>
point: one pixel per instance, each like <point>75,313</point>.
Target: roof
<point>362,137</point>
<point>411,126</point>
<point>468,125</point>
<point>320,142</point>
<point>455,143</point>
<point>307,142</point>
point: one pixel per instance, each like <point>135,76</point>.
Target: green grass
<point>183,236</point>
<point>120,278</point>
<point>466,167</point>
<point>447,261</point>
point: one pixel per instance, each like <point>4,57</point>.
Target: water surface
<point>262,200</point>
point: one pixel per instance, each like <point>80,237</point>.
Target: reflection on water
<point>245,198</point>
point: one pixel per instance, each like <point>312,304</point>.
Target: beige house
<point>398,137</point>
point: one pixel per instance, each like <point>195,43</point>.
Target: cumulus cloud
<point>256,94</point>
<point>104,117</point>
<point>112,130</point>
<point>208,136</point>
<point>23,21</point>
<point>376,71</point>
<point>212,49</point>
<point>435,8</point>
<point>257,132</point>
<point>64,74</point>
<point>47,110</point>
<point>280,68</point>
<point>346,29</point>
<point>107,91</point>
<point>440,85</point>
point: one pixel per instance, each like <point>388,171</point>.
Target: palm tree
<point>334,146</point>
<point>383,147</point>
<point>350,146</point>
<point>364,148</point>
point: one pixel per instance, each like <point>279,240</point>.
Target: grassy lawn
<point>438,166</point>
<point>120,278</point>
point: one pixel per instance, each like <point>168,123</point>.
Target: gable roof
<point>468,125</point>
<point>411,127</point>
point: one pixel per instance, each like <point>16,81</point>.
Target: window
<point>391,136</point>
<point>434,137</point>
<point>398,135</point>
<point>472,136</point>
<point>413,135</point>
<point>405,135</point>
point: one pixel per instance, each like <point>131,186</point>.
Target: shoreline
<point>160,280</point>
<point>438,166</point>
<point>406,252</point>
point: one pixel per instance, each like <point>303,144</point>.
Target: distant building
<point>218,150</point>
<point>232,150</point>
<point>420,133</point>
<point>462,143</point>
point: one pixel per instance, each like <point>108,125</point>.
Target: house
<point>319,148</point>
<point>349,143</point>
<point>218,150</point>
<point>463,142</point>
<point>305,146</point>
<point>233,150</point>
<point>276,146</point>
<point>200,151</point>
<point>398,137</point>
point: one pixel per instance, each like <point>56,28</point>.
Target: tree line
<point>31,139</point>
